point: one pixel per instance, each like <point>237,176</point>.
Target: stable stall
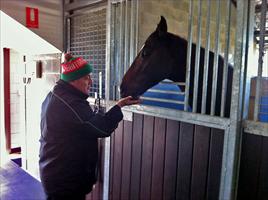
<point>180,143</point>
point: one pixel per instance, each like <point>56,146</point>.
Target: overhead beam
<point>81,4</point>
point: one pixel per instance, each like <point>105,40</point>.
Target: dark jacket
<point>69,140</point>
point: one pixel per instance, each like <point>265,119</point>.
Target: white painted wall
<point>18,38</point>
<point>50,18</point>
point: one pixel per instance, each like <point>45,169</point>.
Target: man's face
<point>83,84</point>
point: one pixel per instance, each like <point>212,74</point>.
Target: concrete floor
<point>17,184</point>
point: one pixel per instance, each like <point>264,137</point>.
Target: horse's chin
<point>134,96</point>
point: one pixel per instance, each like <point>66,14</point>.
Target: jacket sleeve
<point>96,124</point>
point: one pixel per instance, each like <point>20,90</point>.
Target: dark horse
<point>163,56</point>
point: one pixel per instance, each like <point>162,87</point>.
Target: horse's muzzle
<point>122,91</point>
<point>126,91</point>
<point>124,94</point>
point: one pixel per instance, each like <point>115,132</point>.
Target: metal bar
<point>108,50</point>
<point>224,190</point>
<point>241,97</point>
<point>197,56</point>
<point>189,52</point>
<point>87,10</point>
<point>106,176</point>
<point>120,49</point>
<point>82,43</point>
<point>226,53</point>
<point>260,60</point>
<point>163,100</point>
<point>25,114</point>
<point>205,74</point>
<point>216,58</point>
<point>132,32</point>
<point>249,44</point>
<point>113,58</point>
<point>82,4</point>
<point>100,84</point>
<point>193,118</point>
<point>232,137</point>
<point>108,87</point>
<point>174,83</point>
<point>256,128</point>
<point>64,24</point>
<point>126,36</point>
<point>136,26</point>
<point>68,35</point>
<point>166,91</point>
<point>113,51</point>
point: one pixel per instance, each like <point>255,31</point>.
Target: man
<point>70,132</point>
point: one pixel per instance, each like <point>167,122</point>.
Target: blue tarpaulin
<point>164,95</point>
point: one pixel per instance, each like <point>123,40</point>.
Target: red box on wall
<point>32,20</point>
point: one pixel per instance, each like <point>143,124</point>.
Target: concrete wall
<point>50,17</point>
<point>177,14</point>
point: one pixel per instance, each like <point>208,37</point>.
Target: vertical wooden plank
<point>111,166</point>
<point>215,161</point>
<point>147,157</point>
<point>126,160</point>
<point>249,166</point>
<point>200,162</point>
<point>136,156</point>
<point>263,180</point>
<point>185,154</point>
<point>170,170</point>
<point>117,171</point>
<point>158,158</point>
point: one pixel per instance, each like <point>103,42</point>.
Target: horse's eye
<point>144,53</point>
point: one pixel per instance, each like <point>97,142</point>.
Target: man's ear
<point>162,27</point>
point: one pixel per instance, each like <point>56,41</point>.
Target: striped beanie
<point>74,68</point>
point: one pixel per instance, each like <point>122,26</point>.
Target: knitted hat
<point>74,68</point>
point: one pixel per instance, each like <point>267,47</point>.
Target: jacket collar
<point>65,86</point>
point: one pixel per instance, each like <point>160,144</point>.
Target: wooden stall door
<point>155,158</point>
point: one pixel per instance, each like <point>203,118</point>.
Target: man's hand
<point>127,101</point>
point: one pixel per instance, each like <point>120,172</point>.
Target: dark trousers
<point>66,197</point>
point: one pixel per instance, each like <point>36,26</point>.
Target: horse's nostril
<point>121,89</point>
<point>122,95</point>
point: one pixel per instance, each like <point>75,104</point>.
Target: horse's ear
<point>162,27</point>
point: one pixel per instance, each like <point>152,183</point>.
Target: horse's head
<point>153,63</point>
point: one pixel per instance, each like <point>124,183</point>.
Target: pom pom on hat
<point>74,68</point>
<point>67,57</point>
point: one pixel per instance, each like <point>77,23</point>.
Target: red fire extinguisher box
<point>32,20</point>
